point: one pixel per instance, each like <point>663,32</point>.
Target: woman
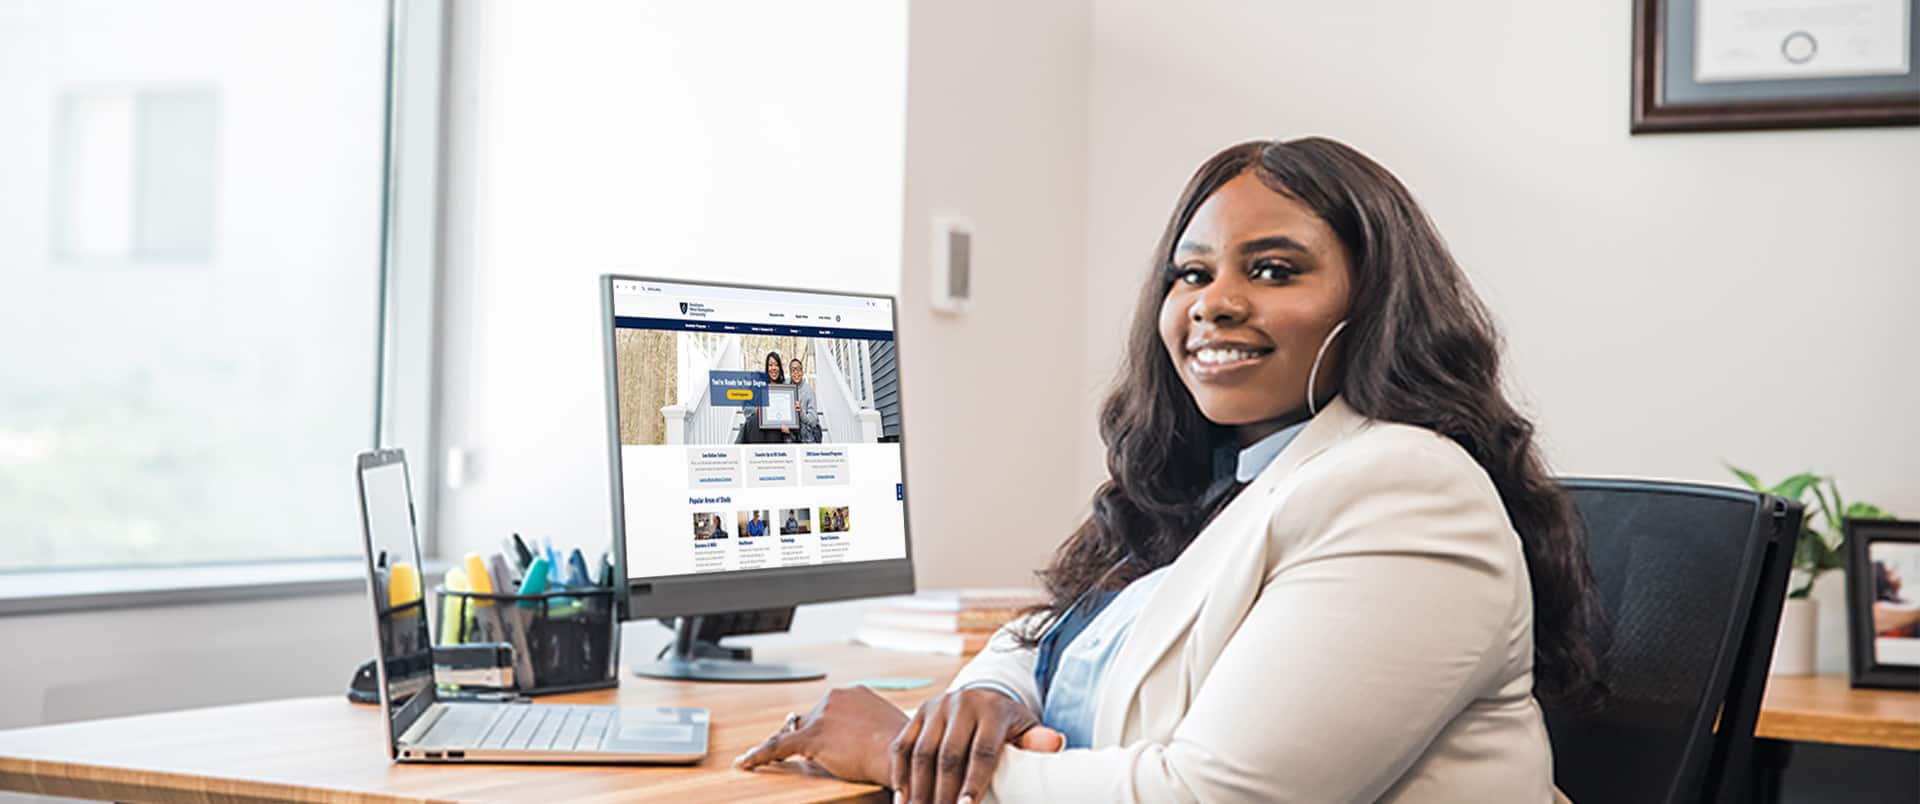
<point>750,430</point>
<point>1328,564</point>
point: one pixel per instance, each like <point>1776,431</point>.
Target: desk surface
<point>1823,709</point>
<point>313,748</point>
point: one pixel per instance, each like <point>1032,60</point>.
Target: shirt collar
<point>1257,456</point>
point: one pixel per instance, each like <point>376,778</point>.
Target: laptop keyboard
<point>524,727</point>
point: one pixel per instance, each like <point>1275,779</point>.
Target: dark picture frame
<point>1865,667</point>
<point>1666,98</point>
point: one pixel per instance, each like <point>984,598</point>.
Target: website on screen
<point>758,428</point>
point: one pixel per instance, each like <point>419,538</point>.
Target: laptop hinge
<point>423,724</point>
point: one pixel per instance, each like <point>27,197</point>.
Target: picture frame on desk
<point>1883,603</point>
<point>1728,65</point>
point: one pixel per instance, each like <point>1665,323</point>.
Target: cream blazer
<point>1356,625</point>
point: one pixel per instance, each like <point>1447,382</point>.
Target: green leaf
<point>1830,557</point>
<point>1745,477</point>
<point>1860,510</point>
<point>1793,488</point>
<point>1825,512</point>
<point>1807,550</point>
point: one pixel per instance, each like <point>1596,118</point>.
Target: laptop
<point>423,728</point>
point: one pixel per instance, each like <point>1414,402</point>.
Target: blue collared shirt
<point>1086,640</point>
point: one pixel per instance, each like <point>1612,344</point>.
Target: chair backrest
<point>1692,578</point>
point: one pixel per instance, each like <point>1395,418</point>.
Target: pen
<point>520,552</point>
<point>380,586</point>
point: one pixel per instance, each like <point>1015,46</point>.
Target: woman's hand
<point>847,733</point>
<point>950,748</point>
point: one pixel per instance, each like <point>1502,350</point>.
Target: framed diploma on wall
<point>1722,65</point>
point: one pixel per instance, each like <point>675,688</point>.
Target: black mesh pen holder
<point>563,641</point>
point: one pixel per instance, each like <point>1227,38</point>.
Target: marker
<point>577,567</point>
<point>453,622</point>
<point>520,552</point>
<point>536,582</point>
<point>514,622</point>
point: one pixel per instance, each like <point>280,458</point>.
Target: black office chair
<point>1692,578</point>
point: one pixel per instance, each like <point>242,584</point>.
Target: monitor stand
<point>692,658</point>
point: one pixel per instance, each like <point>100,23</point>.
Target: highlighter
<point>536,582</point>
<point>477,578</point>
<point>453,623</point>
<point>479,583</point>
<point>403,586</point>
<point>404,606</point>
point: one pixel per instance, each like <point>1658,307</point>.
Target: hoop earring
<point>1315,373</point>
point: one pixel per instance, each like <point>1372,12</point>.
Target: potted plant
<point>1818,550</point>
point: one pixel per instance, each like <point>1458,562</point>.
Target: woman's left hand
<point>847,733</point>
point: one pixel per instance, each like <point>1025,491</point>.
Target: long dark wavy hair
<point>1419,349</point>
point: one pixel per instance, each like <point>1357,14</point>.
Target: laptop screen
<point>397,589</point>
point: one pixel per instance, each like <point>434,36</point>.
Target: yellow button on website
<point>739,394</point>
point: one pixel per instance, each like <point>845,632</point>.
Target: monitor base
<point>731,670</point>
<point>694,657</point>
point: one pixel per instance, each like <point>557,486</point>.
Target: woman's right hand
<point>948,751</point>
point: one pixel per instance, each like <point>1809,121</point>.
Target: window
<point>192,202</point>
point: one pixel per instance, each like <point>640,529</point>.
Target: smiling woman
<point>1251,315</point>
<point>1328,564</point>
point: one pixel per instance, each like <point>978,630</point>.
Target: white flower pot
<point>1795,649</point>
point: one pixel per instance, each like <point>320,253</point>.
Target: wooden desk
<point>1823,709</point>
<point>310,749</point>
<point>325,748</point>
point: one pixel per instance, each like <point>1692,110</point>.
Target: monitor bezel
<point>743,590</point>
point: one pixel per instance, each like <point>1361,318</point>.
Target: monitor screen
<point>758,429</point>
<point>399,593</point>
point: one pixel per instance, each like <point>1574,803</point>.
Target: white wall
<point>756,141</point>
<point>996,132</point>
<point>1670,301</point>
<point>83,665</point>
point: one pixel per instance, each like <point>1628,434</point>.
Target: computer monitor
<point>755,453</point>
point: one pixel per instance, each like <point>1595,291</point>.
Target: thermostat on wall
<point>952,264</point>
